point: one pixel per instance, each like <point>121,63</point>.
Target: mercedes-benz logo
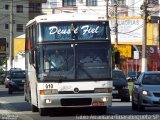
<point>76,90</point>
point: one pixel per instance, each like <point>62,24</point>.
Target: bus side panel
<point>31,82</point>
<point>33,85</point>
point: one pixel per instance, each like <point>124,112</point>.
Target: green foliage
<point>130,84</point>
<point>3,61</point>
<point>114,50</point>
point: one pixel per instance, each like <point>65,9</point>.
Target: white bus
<point>78,81</point>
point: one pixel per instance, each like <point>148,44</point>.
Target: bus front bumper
<point>76,100</point>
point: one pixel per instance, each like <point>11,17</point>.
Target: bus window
<point>57,61</point>
<point>92,61</point>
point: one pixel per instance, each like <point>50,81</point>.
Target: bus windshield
<point>74,62</point>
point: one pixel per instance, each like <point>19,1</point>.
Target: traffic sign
<point>125,50</point>
<point>136,54</point>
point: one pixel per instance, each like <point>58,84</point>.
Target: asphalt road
<point>13,107</point>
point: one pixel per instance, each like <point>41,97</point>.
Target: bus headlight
<point>54,91</point>
<point>48,101</point>
<point>48,92</point>
<point>103,90</point>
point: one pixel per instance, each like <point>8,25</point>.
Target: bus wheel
<point>42,111</point>
<point>34,108</point>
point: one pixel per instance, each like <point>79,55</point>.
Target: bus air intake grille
<point>80,92</point>
<point>76,101</point>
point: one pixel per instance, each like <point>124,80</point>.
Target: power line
<point>79,5</point>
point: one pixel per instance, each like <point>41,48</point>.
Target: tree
<point>3,61</point>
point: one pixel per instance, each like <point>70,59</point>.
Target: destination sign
<point>74,31</point>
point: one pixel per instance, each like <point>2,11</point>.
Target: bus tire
<point>34,108</point>
<point>42,112</point>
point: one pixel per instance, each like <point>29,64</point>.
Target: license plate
<point>115,91</point>
<point>97,103</point>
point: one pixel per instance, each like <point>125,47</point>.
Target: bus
<point>78,82</point>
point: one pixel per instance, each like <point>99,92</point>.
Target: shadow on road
<point>73,112</point>
<point>16,107</point>
<point>127,110</point>
<point>5,93</point>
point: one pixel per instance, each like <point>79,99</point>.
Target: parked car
<point>132,76</point>
<point>2,78</point>
<point>6,81</point>
<point>16,81</point>
<point>146,91</point>
<point>13,69</point>
<point>8,76</point>
<point>120,86</point>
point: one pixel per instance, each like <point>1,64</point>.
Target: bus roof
<point>67,17</point>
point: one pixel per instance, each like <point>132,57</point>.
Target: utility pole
<point>117,55</point>
<point>144,40</point>
<point>11,35</point>
<point>116,23</point>
<point>107,17</point>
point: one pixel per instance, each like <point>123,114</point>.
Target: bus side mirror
<point>117,57</point>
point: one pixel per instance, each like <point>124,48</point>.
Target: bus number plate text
<point>48,86</point>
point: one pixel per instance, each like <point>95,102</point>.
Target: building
<point>35,7</point>
<point>48,8</point>
<point>105,7</point>
<point>130,24</point>
<point>20,17</point>
<point>85,6</point>
<point>23,11</point>
<point>19,52</point>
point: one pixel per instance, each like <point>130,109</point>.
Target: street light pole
<point>145,15</point>
<point>11,35</point>
<point>116,23</point>
<point>107,17</point>
<point>116,29</point>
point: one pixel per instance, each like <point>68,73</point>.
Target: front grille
<point>80,92</point>
<point>156,94</point>
<point>155,102</point>
<point>76,101</point>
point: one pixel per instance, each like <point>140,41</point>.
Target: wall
<point>19,52</point>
